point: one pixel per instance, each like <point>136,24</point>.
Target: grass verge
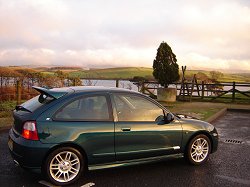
<point>201,110</point>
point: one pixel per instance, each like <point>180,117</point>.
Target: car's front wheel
<point>64,166</point>
<point>198,149</point>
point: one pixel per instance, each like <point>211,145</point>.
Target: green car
<point>64,131</point>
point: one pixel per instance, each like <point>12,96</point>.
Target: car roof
<point>59,92</point>
<point>99,88</point>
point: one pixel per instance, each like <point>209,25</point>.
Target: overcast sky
<point>97,33</point>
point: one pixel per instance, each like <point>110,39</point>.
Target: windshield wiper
<point>19,107</point>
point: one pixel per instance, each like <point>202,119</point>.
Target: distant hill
<point>115,73</point>
<point>128,73</point>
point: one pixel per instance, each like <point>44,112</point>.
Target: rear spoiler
<point>50,92</point>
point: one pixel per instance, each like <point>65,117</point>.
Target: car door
<point>87,121</point>
<point>139,128</point>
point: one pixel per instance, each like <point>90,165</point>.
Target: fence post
<point>74,82</point>
<point>233,94</point>
<point>143,87</point>
<point>18,92</point>
<point>117,83</point>
<point>202,89</point>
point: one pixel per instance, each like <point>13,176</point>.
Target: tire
<point>64,166</point>
<point>198,150</point>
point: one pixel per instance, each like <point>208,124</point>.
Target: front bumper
<point>29,154</point>
<point>215,139</point>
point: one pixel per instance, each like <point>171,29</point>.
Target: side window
<point>89,108</point>
<point>136,108</point>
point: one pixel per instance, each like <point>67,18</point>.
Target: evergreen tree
<point>165,67</point>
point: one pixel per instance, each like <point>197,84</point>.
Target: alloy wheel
<point>199,149</point>
<point>64,166</point>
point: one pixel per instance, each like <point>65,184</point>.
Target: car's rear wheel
<point>64,166</point>
<point>198,149</point>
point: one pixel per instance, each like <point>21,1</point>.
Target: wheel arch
<point>196,134</point>
<point>67,144</point>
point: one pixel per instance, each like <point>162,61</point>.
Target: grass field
<point>110,73</point>
<point>129,73</point>
<point>6,108</point>
<point>227,77</point>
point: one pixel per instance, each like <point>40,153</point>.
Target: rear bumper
<point>29,154</point>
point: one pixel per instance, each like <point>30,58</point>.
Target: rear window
<point>34,103</point>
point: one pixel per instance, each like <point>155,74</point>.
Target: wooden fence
<point>225,92</point>
<point>212,91</point>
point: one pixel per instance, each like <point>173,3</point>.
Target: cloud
<point>27,57</point>
<point>124,33</point>
<point>83,58</point>
<point>219,64</point>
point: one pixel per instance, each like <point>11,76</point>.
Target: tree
<point>77,81</point>
<point>27,76</point>
<point>202,76</point>
<point>61,75</point>
<point>51,81</point>
<point>165,67</point>
<point>215,75</point>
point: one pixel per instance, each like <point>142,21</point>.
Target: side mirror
<point>169,117</point>
<point>160,120</point>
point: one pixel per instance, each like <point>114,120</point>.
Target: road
<point>229,166</point>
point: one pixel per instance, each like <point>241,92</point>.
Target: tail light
<point>30,130</point>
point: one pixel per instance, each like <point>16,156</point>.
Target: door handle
<point>126,129</point>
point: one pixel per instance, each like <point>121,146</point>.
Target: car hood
<point>195,124</point>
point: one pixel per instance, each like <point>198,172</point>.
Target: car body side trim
<point>134,162</point>
<point>148,150</point>
<point>96,155</point>
<point>176,147</point>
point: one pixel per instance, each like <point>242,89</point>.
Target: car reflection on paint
<point>62,131</point>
